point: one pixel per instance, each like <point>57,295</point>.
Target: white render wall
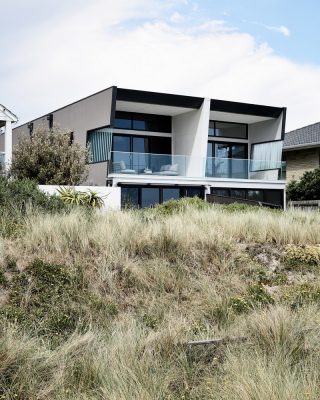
<point>190,136</point>
<point>265,131</point>
<point>111,195</point>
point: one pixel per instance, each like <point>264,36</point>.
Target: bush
<point>172,207</point>
<point>256,297</point>
<point>302,295</point>
<point>88,199</point>
<point>49,158</point>
<point>16,197</point>
<point>297,256</point>
<point>307,188</point>
<point>53,300</point>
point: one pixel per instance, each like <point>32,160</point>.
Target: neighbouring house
<point>301,150</point>
<point>7,119</point>
<point>159,146</point>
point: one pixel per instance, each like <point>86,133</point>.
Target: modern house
<point>158,146</point>
<point>302,150</point>
<point>7,119</point>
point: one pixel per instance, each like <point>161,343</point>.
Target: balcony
<point>148,164</point>
<point>171,165</point>
<point>236,168</point>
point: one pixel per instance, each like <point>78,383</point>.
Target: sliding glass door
<point>227,160</point>
<point>135,153</point>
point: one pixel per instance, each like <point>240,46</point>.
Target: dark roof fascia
<point>165,99</point>
<point>246,108</point>
<point>68,105</point>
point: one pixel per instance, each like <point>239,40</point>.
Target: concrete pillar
<point>190,138</point>
<point>8,145</point>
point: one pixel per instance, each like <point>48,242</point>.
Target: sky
<point>263,51</point>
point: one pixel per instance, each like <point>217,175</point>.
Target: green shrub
<point>301,295</point>
<point>54,301</point>
<point>3,279</point>
<point>238,208</point>
<point>73,197</point>
<point>50,158</point>
<point>299,256</point>
<point>19,196</point>
<point>256,297</point>
<point>172,207</point>
<point>307,188</point>
<point>265,277</point>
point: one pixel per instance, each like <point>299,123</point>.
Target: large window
<point>136,153</point>
<point>142,122</point>
<point>267,196</point>
<point>147,196</point>
<point>141,144</point>
<point>227,160</point>
<point>228,130</point>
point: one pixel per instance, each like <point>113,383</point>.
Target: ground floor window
<point>147,196</point>
<point>269,196</point>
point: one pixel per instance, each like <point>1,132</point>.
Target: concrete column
<point>8,145</point>
<point>190,137</point>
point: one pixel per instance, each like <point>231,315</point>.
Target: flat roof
<point>176,100</point>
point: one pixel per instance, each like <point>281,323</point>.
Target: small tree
<point>49,158</point>
<point>307,188</point>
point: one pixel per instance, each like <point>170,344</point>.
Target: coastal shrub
<point>17,198</point>
<point>255,297</point>
<point>307,188</point>
<point>172,207</point>
<point>303,294</point>
<point>74,197</point>
<point>50,157</point>
<point>299,256</point>
<point>53,301</point>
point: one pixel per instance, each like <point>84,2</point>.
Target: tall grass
<point>117,235</point>
<point>140,286</point>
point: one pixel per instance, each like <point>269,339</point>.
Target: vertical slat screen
<point>266,156</point>
<point>100,142</point>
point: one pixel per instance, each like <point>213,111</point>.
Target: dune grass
<point>102,306</point>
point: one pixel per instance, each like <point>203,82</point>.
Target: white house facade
<point>158,146</point>
<point>7,119</point>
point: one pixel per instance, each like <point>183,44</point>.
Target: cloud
<point>280,29</point>
<point>177,17</point>
<point>102,43</point>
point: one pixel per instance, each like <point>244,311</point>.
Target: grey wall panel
<point>92,112</point>
<point>1,143</point>
<point>97,174</point>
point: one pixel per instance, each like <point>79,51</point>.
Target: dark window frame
<point>131,116</point>
<point>227,122</point>
<point>246,145</point>
<point>254,189</point>
<point>230,168</point>
<point>183,190</point>
<point>131,136</point>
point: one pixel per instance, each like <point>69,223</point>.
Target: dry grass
<point>167,280</point>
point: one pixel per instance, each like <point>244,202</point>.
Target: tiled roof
<point>304,136</point>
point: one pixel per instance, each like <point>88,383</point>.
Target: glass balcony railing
<point>180,165</point>
<point>148,164</point>
<point>236,168</point>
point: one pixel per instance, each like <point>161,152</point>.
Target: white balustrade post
<point>8,145</point>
